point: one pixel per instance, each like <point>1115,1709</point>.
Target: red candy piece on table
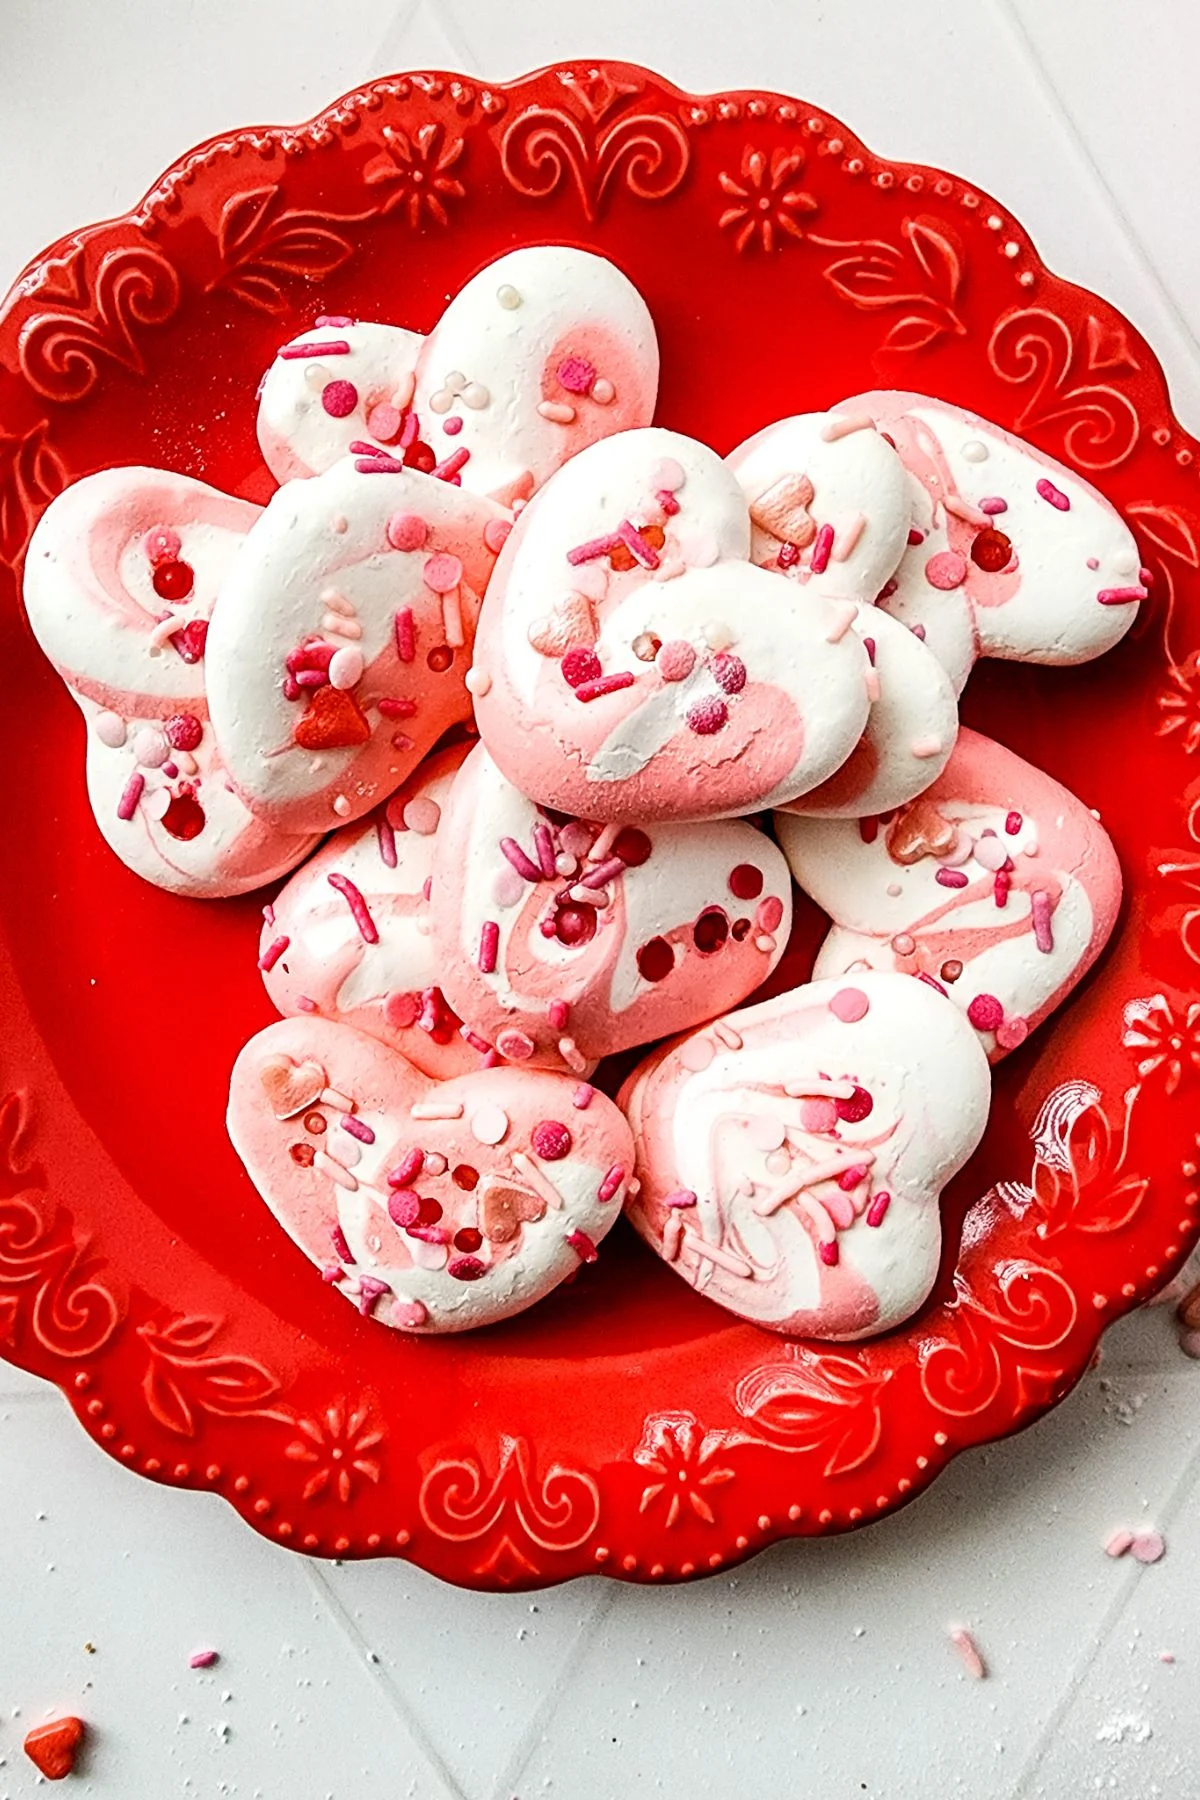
<point>52,1747</point>
<point>333,719</point>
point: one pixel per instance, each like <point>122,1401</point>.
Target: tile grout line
<point>521,1757</point>
<point>1144,260</point>
<point>383,1679</point>
<point>1165,1516</point>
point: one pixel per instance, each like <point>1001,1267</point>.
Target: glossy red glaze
<point>625,1425</point>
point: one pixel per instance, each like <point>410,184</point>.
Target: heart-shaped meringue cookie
<point>341,637</point>
<point>120,579</point>
<point>997,886</point>
<point>1010,554</point>
<point>542,352</point>
<point>432,1206</point>
<point>706,687</point>
<point>790,1165</point>
<point>351,935</point>
<point>561,942</point>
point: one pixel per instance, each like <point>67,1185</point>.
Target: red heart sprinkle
<point>333,719</point>
<point>52,1747</point>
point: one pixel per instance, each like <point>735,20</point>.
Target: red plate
<point>626,1425</point>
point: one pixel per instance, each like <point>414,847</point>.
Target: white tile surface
<point>344,1682</point>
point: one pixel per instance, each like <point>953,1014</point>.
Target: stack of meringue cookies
<point>567,700</point>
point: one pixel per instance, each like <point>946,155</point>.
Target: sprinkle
<point>1000,887</point>
<point>336,1173</point>
<point>386,838</point>
<point>871,685</point>
<point>967,1648</point>
<point>1040,908</point>
<point>946,570</point>
<point>296,352</point>
<point>582,1097</point>
<point>339,398</point>
<point>1148,1547</point>
<point>1055,496</point>
<point>925,747</point>
<point>992,505</point>
<point>962,509</point>
<point>272,954</point>
<point>985,1012</point>
<point>1119,1543</point>
<point>829,1253</point>
<point>340,1102</point>
<point>131,794</point>
<point>453,426</point>
<point>611,1184</point>
<point>842,424</point>
<point>682,1197</point>
<point>538,1180</point>
<point>700,1247</point>
<point>407,1169</point>
<point>422,816</point>
<point>341,1248</point>
<point>821,551</point>
<point>544,845</point>
<point>341,806</point>
<point>489,1124</point>
<point>991,853</point>
<point>1119,596</point>
<point>636,544</point>
<point>458,459</point>
<point>929,981</point>
<point>951,878</point>
<point>521,863</point>
<point>570,1052</point>
<point>407,531</point>
<point>726,1035</point>
<point>675,660</point>
<point>877,1211</point>
<point>508,297</point>
<point>583,1246</point>
<point>1011,1032</point>
<point>603,391</point>
<point>489,940</point>
<point>357,1129</point>
<point>604,684</point>
<point>202,1659</point>
<point>557,1014</point>
<point>358,907</point>
<point>406,634</point>
<point>708,715</point>
<point>369,1290</point>
<point>789,556</point>
<point>915,537</point>
<point>557,412</point>
<point>436,1109</point>
<point>603,873</point>
<point>474,1040</point>
<point>849,1005</point>
<point>594,548</point>
<point>1013,823</point>
<point>844,618</point>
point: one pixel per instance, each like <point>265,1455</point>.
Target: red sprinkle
<point>1000,887</point>
<point>1120,596</point>
<point>830,1254</point>
<point>849,1178</point>
<point>173,580</point>
<point>632,846</point>
<point>1055,496</point>
<point>707,716</point>
<point>404,1206</point>
<point>130,795</point>
<point>606,684</point>
<point>272,954</point>
<point>406,634</point>
<point>655,960</point>
<point>929,981</point>
<point>821,551</point>
<point>576,374</point>
<point>386,836</point>
<point>391,708</point>
<point>183,731</point>
<point>579,665</point>
<point>332,347</point>
<point>551,1140</point>
<point>52,1747</point>
<point>407,1169</point>
<point>729,672</point>
<point>583,1246</point>
<point>448,470</point>
<point>489,941</point>
<point>637,546</point>
<point>609,1186</point>
<point>789,556</point>
<point>466,1268</point>
<point>557,1014</point>
<point>512,851</point>
<point>358,907</point>
<point>1041,910</point>
<point>746,882</point>
<point>857,1107</point>
<point>1013,823</point>
<point>202,1659</point>
<point>985,1012</point>
<point>878,1208</point>
<point>868,828</point>
<point>951,878</point>
<point>339,398</point>
<point>341,1248</point>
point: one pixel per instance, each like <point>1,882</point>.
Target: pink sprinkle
<point>162,543</point>
<point>305,1004</point>
<point>378,464</point>
<point>551,1140</point>
<point>386,838</point>
<point>789,556</point>
<point>967,1648</point>
<point>384,422</point>
<point>333,1272</point>
<point>849,1179</point>
<point>407,1169</point>
<point>1146,577</point>
<point>429,1234</point>
<point>604,684</point>
<point>580,664</point>
<point>991,853</point>
<point>707,716</point>
<point>603,873</point>
<point>333,322</point>
<point>877,1211</point>
<point>406,531</point>
<point>357,1129</point>
<point>358,907</point>
<point>311,678</point>
<point>1013,823</point>
<point>442,573</point>
<point>667,501</point>
<point>576,374</point>
<point>829,1253</point>
<point>985,1012</point>
<point>582,1097</point>
<point>489,943</point>
<point>268,913</point>
<point>822,550</point>
<point>930,982</point>
<point>869,647</point>
<point>729,671</point>
<point>841,425</point>
<point>339,398</point>
<point>341,1248</point>
<point>458,459</point>
<point>1119,1543</point>
<point>543,843</point>
<point>946,570</point>
<point>406,634</point>
<point>131,794</point>
<point>681,1198</point>
<point>849,1005</point>
<point>452,426</point>
<point>202,1659</point>
<point>394,708</point>
<point>557,1014</point>
<point>495,534</point>
<point>1000,887</point>
<point>272,954</point>
<point>583,1246</point>
<point>528,870</point>
<point>1040,909</point>
<point>637,546</point>
<point>593,548</point>
<point>993,505</point>
<point>1011,1033</point>
<point>1120,596</point>
<point>918,631</point>
<point>409,431</point>
<point>675,660</point>
<point>951,878</point>
<point>1055,496</point>
<point>369,1290</point>
<point>333,347</point>
<point>611,1183</point>
<point>1148,1547</point>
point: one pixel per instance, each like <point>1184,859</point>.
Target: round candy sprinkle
<point>384,422</point>
<point>518,1046</point>
<point>406,531</point>
<point>667,475</point>
<point>111,729</point>
<point>769,916</point>
<point>468,1238</point>
<point>946,570</point>
<point>404,1206</point>
<point>574,925</point>
<point>162,543</point>
<point>495,532</point>
<point>489,1124</point>
<point>579,665</point>
<point>150,747</point>
<point>985,1012</point>
<point>1011,1032</point>
<point>991,551</point>
<point>655,959</point>
<point>339,398</point>
<point>442,573</point>
<point>710,931</point>
<point>551,1141</point>
<point>675,660</point>
<point>745,882</point>
<point>184,731</point>
<point>990,853</point>
<point>346,667</point>
<point>765,1132</point>
<point>696,1053</point>
<point>646,646</point>
<point>453,425</point>
<point>576,374</point>
<point>508,297</point>
<point>632,846</point>
<point>603,391</point>
<point>729,672</point>
<point>173,580</point>
<point>849,1005</point>
<point>707,716</point>
<point>856,1108</point>
<point>422,815</point>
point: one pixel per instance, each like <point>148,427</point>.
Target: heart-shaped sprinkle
<point>289,1086</point>
<point>503,1209</point>
<point>918,830</point>
<point>53,1747</point>
<point>334,719</point>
